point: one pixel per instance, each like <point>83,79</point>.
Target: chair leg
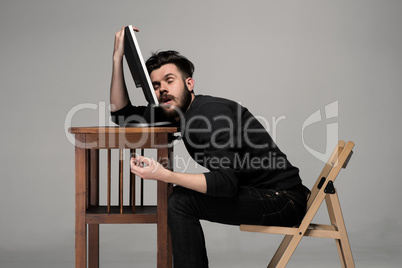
<point>336,217</point>
<point>279,252</point>
<point>285,251</point>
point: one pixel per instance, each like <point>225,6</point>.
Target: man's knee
<point>181,200</point>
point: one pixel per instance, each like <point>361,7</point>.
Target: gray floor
<point>126,247</point>
<point>302,258</point>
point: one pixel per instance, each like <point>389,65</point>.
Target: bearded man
<point>250,180</point>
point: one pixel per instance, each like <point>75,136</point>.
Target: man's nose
<point>163,88</point>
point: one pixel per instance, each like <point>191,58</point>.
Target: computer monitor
<point>137,66</point>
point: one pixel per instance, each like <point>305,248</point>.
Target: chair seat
<point>314,230</point>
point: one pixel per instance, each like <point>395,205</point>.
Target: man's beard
<point>182,104</point>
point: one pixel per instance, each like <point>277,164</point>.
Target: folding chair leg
<point>285,251</point>
<point>336,217</point>
<point>279,252</point>
<point>340,252</point>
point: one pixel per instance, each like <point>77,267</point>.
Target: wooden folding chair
<point>323,189</point>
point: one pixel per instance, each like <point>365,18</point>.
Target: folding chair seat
<point>322,189</point>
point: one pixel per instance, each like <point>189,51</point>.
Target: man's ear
<point>190,84</point>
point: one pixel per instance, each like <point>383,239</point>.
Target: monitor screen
<point>137,67</point>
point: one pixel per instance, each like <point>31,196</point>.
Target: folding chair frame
<point>323,189</point>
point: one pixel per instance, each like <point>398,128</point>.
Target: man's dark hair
<point>158,59</point>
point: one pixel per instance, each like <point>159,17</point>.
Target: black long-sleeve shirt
<point>226,138</point>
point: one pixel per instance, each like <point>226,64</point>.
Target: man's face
<point>173,93</point>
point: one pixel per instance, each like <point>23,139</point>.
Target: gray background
<point>278,58</point>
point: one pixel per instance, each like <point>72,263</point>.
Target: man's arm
<point>147,168</point>
<point>194,182</point>
<point>118,91</point>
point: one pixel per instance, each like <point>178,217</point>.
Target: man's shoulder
<point>206,102</point>
<point>210,109</point>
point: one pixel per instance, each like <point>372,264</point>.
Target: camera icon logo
<point>330,111</point>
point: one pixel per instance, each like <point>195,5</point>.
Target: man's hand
<point>118,91</point>
<point>119,43</point>
<point>148,168</point>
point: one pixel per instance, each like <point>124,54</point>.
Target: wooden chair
<point>323,189</point>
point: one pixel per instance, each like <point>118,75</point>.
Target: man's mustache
<point>166,97</point>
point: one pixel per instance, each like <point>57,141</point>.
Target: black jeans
<point>249,206</point>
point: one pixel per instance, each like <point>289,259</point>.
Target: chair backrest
<point>338,159</point>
